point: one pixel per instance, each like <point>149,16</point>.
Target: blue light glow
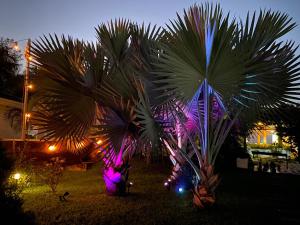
<point>209,37</point>
<point>180,189</point>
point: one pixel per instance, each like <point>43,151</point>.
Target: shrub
<point>52,172</point>
<point>10,201</point>
<point>22,166</point>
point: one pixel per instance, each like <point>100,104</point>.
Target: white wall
<point>6,131</point>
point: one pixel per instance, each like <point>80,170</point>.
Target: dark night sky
<point>21,19</point>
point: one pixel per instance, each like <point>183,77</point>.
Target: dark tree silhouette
<point>288,125</point>
<point>11,84</point>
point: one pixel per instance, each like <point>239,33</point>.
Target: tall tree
<point>11,84</point>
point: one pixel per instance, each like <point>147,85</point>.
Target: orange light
<point>52,148</point>
<point>16,47</point>
<point>30,86</point>
<point>27,115</point>
<point>29,58</point>
<point>99,142</point>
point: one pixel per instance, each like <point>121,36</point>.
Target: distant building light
<point>99,142</point>
<point>274,138</point>
<point>180,190</point>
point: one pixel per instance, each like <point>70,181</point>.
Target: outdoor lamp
<point>17,176</point>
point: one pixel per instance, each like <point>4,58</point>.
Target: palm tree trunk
<point>115,181</point>
<point>204,192</point>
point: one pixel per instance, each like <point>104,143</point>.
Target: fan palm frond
<point>183,64</point>
<point>64,106</point>
<point>272,69</point>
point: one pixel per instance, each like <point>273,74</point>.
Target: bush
<point>273,147</point>
<point>52,172</point>
<point>10,201</point>
<point>22,166</point>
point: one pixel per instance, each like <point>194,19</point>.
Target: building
<point>10,119</point>
<point>263,135</point>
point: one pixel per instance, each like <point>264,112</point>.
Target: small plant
<point>19,181</point>
<point>21,175</point>
<point>52,172</point>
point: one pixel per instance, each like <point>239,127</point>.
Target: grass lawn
<point>241,199</point>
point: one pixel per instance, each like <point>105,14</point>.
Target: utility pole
<point>25,92</point>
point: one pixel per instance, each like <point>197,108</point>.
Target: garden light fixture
<point>52,148</point>
<point>17,176</point>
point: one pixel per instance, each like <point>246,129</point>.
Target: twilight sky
<point>21,19</point>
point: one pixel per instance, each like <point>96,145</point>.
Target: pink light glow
<point>111,179</point>
<point>169,148</point>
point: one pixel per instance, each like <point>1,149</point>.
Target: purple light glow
<point>111,179</point>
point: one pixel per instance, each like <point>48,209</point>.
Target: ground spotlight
<point>17,176</point>
<point>130,184</point>
<point>167,185</point>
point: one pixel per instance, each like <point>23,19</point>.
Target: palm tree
<point>211,69</point>
<point>88,92</point>
<point>182,91</point>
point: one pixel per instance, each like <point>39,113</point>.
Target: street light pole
<point>25,90</point>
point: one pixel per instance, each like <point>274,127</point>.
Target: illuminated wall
<point>263,135</point>
<point>6,130</point>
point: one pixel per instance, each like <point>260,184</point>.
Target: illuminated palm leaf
<point>205,58</point>
<point>182,64</point>
<point>114,40</point>
<point>243,62</point>
<point>64,105</point>
<point>272,69</point>
<point>118,122</point>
